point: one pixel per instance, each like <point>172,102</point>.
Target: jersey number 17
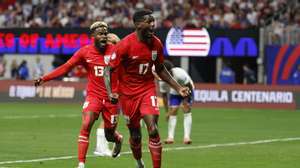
<point>143,68</point>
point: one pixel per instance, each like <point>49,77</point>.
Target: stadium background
<point>239,133</point>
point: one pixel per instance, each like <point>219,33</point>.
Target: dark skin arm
<point>113,97</point>
<point>165,76</point>
<point>165,101</point>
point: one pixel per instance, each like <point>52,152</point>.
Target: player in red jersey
<point>102,146</point>
<point>94,58</point>
<point>134,56</point>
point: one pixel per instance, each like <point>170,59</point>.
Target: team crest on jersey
<point>154,55</point>
<point>106,59</point>
<point>113,56</point>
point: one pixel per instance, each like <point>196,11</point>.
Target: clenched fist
<point>114,97</point>
<point>38,82</point>
<point>184,91</point>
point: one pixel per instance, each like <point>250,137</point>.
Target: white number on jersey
<point>154,101</point>
<point>98,70</point>
<point>143,68</point>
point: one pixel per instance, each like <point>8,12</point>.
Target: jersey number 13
<point>98,70</point>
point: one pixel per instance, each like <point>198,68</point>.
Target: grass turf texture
<point>34,131</point>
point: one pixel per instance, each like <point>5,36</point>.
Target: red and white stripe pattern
<point>83,139</point>
<point>188,42</point>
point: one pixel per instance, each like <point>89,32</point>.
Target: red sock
<point>155,148</point>
<point>136,149</point>
<point>83,144</point>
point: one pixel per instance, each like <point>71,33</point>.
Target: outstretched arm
<point>113,97</point>
<point>165,76</point>
<point>61,70</point>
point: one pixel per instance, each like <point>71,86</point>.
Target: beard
<point>147,33</point>
<point>100,44</point>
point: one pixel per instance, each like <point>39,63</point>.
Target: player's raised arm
<point>61,70</point>
<point>163,73</point>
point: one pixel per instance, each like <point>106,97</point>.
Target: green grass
<point>33,131</point>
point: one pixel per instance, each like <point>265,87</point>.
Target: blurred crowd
<point>31,68</point>
<point>236,14</point>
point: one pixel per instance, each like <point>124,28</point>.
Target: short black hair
<point>168,64</point>
<point>140,13</point>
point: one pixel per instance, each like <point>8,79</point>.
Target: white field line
<point>165,149</point>
<point>39,116</point>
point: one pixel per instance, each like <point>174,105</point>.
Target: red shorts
<point>98,105</point>
<point>135,107</point>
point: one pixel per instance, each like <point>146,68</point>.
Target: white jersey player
<point>175,101</point>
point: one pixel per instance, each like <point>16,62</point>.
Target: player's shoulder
<point>157,41</point>
<point>124,43</point>
<point>178,71</point>
<point>129,37</point>
<point>83,49</point>
<point>86,47</point>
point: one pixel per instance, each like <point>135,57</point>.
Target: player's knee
<point>153,131</point>
<point>136,138</point>
<point>187,109</point>
<point>87,122</point>
<point>85,125</point>
<point>173,111</point>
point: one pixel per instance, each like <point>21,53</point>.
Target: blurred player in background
<point>94,58</point>
<point>102,147</point>
<point>175,101</point>
<point>227,75</point>
<point>135,55</point>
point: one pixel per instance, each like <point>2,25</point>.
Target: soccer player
<point>135,55</point>
<point>102,147</point>
<point>94,58</point>
<point>175,100</point>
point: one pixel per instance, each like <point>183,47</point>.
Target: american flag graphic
<point>188,42</point>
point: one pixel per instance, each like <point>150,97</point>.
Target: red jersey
<point>94,62</point>
<point>136,59</point>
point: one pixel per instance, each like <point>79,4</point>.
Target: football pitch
<point>45,136</point>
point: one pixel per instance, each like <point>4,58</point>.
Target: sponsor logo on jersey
<point>135,57</point>
<point>154,55</point>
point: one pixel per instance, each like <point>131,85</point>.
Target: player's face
<point>100,37</point>
<point>147,26</point>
